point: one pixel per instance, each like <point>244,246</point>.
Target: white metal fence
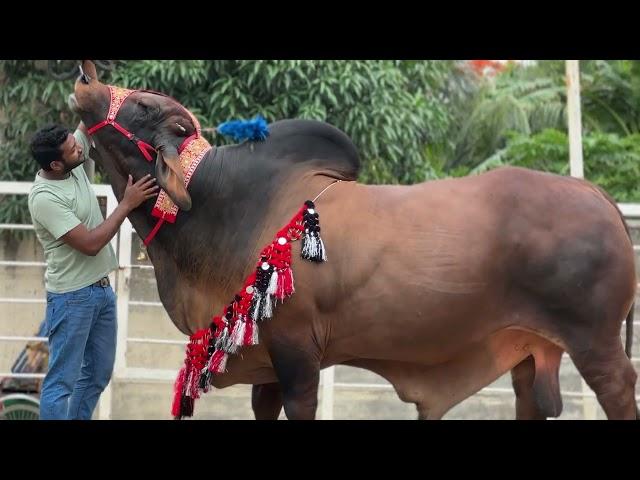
<point>122,245</point>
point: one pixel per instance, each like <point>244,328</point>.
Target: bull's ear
<point>170,178</point>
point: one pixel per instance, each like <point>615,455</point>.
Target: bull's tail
<point>628,346</point>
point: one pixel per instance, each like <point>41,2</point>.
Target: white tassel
<point>254,334</point>
<point>313,248</point>
<point>222,340</point>
<point>310,248</point>
<point>323,251</point>
<point>267,307</point>
<point>257,299</point>
<point>188,385</point>
<point>273,283</point>
<point>237,336</point>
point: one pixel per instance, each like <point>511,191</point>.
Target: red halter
<point>118,96</point>
<point>164,209</point>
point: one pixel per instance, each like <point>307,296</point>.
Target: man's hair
<point>45,144</point>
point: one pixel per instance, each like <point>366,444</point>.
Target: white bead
<point>264,266</point>
<point>311,211</point>
<point>282,241</point>
<point>249,289</point>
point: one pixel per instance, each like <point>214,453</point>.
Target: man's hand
<point>90,242</point>
<point>137,193</point>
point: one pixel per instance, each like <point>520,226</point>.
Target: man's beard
<point>68,168</point>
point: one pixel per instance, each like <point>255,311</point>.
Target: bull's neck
<point>239,203</point>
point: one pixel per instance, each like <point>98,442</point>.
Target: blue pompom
<point>255,129</point>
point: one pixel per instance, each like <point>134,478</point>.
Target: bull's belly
<point>428,332</point>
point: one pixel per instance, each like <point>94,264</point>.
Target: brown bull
<point>440,287</point>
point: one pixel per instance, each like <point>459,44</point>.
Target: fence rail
<point>122,245</point>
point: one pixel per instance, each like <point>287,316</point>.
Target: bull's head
<point>156,119</point>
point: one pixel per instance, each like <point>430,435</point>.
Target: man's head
<point>56,149</point>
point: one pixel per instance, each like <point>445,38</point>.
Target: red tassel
<point>218,362</point>
<point>248,331</point>
<point>187,385</point>
<point>193,388</point>
<point>251,332</point>
<point>285,284</point>
<point>178,392</point>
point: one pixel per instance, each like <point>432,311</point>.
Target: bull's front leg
<point>298,372</point>
<point>266,401</point>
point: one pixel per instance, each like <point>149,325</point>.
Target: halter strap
<point>117,97</point>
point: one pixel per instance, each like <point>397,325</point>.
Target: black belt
<point>103,282</point>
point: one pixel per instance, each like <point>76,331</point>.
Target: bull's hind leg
<point>609,372</point>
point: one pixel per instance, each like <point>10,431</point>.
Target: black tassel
<point>205,380</point>
<point>312,244</point>
<point>262,303</point>
<point>186,407</point>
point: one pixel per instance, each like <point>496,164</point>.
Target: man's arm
<point>90,242</point>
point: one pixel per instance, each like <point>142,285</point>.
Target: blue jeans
<point>81,326</point>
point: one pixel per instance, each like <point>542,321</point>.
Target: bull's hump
<point>311,140</point>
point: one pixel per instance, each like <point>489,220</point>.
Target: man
<point>81,305</point>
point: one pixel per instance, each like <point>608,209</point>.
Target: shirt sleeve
<point>53,214</point>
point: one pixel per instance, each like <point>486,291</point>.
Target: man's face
<point>71,154</point>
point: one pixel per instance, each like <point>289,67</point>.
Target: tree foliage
<point>410,120</point>
<point>391,109</point>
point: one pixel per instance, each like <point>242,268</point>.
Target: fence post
<point>574,118</point>
<point>121,244</point>
<point>328,377</point>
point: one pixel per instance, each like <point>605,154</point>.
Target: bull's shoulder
<point>313,141</point>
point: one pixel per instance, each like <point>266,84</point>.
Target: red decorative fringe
<point>285,284</point>
<point>218,362</point>
<point>228,331</point>
<point>251,332</point>
<point>178,389</point>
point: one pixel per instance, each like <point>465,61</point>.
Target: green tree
<point>518,118</point>
<point>518,100</point>
<point>29,99</point>
<point>610,161</point>
<point>393,110</point>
